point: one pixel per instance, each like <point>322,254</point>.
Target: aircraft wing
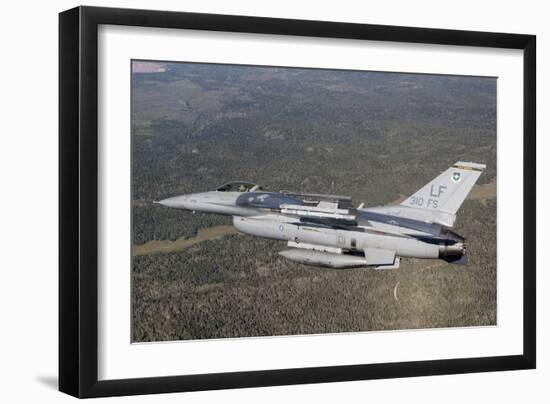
<point>314,199</point>
<point>321,210</point>
<point>330,222</point>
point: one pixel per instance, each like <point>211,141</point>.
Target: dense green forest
<point>373,136</point>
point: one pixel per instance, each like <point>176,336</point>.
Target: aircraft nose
<point>176,202</point>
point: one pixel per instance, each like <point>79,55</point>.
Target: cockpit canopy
<point>238,186</point>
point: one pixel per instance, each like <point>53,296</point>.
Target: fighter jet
<point>328,231</point>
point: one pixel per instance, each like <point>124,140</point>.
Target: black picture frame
<point>78,201</point>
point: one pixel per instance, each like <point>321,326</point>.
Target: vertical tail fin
<point>445,194</point>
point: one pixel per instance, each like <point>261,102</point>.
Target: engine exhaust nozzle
<point>457,249</point>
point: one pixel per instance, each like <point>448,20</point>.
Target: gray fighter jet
<point>327,230</point>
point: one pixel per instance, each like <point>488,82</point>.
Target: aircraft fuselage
<point>326,230</point>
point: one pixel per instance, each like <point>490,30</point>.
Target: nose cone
<point>176,202</point>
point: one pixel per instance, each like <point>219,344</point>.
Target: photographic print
<point>272,201</point>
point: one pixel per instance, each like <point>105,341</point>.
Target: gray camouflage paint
<point>320,235</point>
